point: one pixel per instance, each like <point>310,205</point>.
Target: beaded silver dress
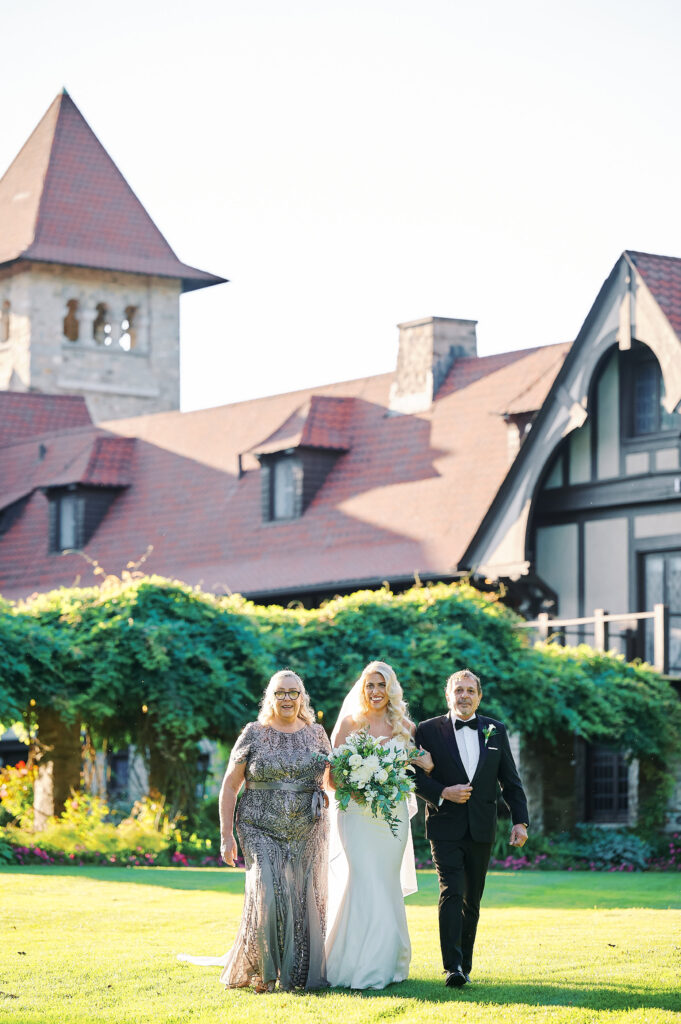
<point>284,843</point>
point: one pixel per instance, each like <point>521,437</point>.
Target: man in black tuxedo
<point>471,756</point>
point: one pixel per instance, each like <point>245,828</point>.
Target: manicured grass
<point>99,944</point>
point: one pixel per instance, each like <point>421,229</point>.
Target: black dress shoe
<point>456,979</point>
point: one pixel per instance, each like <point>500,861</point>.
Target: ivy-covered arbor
<point>160,665</point>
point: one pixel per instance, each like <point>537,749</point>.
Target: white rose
<point>355,760</point>
<point>372,763</point>
<point>381,775</point>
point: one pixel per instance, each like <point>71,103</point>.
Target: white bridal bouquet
<point>374,775</point>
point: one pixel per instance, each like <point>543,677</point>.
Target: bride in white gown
<point>370,869</point>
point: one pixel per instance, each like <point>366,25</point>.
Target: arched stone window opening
<point>128,338</point>
<point>101,327</point>
<point>71,321</point>
<point>5,311</point>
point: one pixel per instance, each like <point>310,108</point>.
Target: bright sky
<point>354,164</point>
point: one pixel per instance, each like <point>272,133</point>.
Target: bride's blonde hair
<point>396,711</point>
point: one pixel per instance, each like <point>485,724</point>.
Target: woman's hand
<point>424,761</point>
<point>228,850</point>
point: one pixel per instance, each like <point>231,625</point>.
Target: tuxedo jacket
<point>496,768</point>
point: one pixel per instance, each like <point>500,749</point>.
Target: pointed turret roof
<point>63,200</point>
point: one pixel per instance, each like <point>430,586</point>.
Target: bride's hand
<point>228,850</point>
<point>424,761</point>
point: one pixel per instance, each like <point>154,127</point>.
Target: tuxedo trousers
<point>461,866</point>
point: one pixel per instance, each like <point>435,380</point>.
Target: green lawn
<point>100,944</point>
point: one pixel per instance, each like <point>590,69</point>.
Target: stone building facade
<point>89,287</point>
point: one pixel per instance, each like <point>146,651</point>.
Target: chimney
<point>426,352</point>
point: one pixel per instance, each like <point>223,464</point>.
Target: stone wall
<point>121,372</point>
<point>427,349</point>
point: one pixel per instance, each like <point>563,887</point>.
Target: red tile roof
<point>662,274</point>
<point>25,415</point>
<point>110,463</point>
<point>534,390</point>
<point>406,497</point>
<point>78,456</point>
<point>63,200</point>
<point>321,422</point>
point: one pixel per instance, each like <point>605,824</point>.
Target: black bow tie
<point>472,723</point>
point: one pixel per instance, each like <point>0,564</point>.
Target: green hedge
<point>160,664</point>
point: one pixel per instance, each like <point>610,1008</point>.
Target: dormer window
<point>283,478</point>
<point>298,456</point>
<point>282,487</point>
<point>75,514</point>
<point>66,521</point>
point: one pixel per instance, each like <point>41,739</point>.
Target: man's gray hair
<point>456,676</point>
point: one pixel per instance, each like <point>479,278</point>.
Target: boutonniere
<point>489,731</point>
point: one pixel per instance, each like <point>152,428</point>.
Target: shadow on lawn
<point>557,890</point>
<point>210,879</point>
<point>606,997</point>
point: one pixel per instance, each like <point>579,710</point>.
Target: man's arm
<point>511,787</point>
<point>427,788</point>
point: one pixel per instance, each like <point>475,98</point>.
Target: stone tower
<point>89,287</point>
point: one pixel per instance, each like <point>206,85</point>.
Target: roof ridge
<point>308,392</point>
<point>56,433</point>
<point>653,255</point>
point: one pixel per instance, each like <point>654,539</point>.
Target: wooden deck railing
<point>600,620</point>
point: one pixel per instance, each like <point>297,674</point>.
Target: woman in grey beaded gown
<point>282,827</point>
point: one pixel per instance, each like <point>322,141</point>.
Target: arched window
<point>101,326</point>
<point>128,338</point>
<point>5,311</point>
<point>71,321</point>
<point>648,414</point>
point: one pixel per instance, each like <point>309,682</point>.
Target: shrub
<point>16,794</point>
<point>588,848</point>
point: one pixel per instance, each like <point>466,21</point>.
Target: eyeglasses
<point>283,694</point>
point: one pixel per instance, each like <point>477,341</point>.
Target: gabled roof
<point>498,546</point>
<point>321,422</point>
<point>63,200</point>
<point>662,274</point>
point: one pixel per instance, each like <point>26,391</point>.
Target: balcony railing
<point>601,619</point>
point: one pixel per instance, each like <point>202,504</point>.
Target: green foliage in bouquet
<point>373,774</point>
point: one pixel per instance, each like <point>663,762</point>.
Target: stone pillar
<point>547,770</point>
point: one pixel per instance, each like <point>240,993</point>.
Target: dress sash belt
<point>319,801</point>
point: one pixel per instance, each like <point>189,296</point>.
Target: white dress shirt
<point>468,744</point>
